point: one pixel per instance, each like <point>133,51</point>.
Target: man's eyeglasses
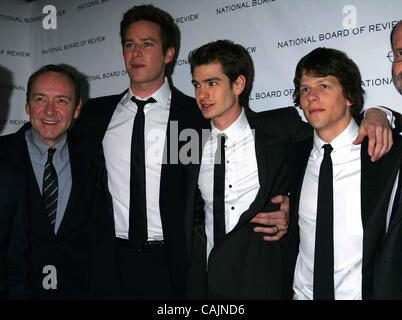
<point>395,55</point>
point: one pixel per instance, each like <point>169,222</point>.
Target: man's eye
<point>63,101</point>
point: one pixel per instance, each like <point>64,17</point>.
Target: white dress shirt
<point>117,149</point>
<point>241,175</point>
<point>348,228</point>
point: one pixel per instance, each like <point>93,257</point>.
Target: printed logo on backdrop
<point>75,45</point>
<point>9,18</point>
<point>377,82</point>
<point>275,93</point>
<point>336,34</point>
<point>91,4</point>
<point>39,18</point>
<point>271,94</point>
<point>242,5</point>
<point>184,61</point>
<point>13,122</point>
<point>9,86</point>
<point>15,53</point>
<point>188,18</point>
<point>49,15</point>
<point>350,28</point>
<point>106,75</point>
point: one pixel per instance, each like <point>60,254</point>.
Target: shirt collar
<point>41,148</point>
<point>234,131</point>
<point>162,96</point>
<point>341,145</point>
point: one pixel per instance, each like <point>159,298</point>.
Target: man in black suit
<point>62,187</point>
<point>228,259</point>
<point>147,187</point>
<point>151,261</point>
<point>388,275</point>
<point>339,198</point>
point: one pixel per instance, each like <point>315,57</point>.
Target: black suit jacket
<point>377,181</point>
<point>92,125</point>
<point>242,265</point>
<point>13,216</point>
<point>388,266</point>
<point>69,250</point>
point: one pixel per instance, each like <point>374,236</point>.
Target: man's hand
<point>375,125</point>
<point>276,221</point>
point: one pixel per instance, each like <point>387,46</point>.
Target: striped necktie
<point>50,187</point>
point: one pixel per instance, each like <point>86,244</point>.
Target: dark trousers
<point>144,273</point>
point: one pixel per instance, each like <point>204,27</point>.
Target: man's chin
<point>399,88</point>
<point>398,83</point>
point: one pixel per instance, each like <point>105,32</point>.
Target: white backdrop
<point>277,34</point>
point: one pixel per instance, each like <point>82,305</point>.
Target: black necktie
<point>138,232</point>
<point>219,190</point>
<point>324,235</point>
<point>50,187</point>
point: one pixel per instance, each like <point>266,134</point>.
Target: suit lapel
<point>38,212</point>
<point>299,163</point>
<point>377,181</point>
<point>263,165</point>
<point>173,116</point>
<point>397,217</point>
<point>369,188</point>
<point>192,187</point>
<point>78,168</point>
<point>86,142</point>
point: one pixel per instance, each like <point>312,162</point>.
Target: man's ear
<point>169,55</point>
<point>77,110</point>
<point>27,107</point>
<point>239,84</point>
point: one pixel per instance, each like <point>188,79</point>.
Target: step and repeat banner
<point>277,33</point>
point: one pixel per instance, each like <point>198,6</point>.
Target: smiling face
<point>52,107</point>
<point>217,98</point>
<point>144,58</point>
<point>324,105</point>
